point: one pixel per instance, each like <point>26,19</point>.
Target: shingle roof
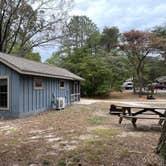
<point>25,66</point>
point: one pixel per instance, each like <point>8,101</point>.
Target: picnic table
<point>135,112</point>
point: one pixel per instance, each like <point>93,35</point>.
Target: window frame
<point>8,94</point>
<point>63,84</point>
<point>34,84</point>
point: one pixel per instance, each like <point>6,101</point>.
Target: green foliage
<point>55,59</point>
<point>94,69</point>
<point>159,40</point>
<point>109,38</point>
<point>154,68</point>
<point>103,61</point>
<point>82,53</point>
<point>77,32</point>
<point>120,70</point>
<point>33,56</point>
<point>29,54</point>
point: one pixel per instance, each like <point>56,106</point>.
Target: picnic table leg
<point>129,111</point>
<point>134,120</point>
<point>120,119</point>
<point>160,122</point>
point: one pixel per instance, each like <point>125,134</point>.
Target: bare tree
<point>28,23</point>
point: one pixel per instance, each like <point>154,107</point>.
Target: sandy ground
<point>83,134</point>
<point>133,103</point>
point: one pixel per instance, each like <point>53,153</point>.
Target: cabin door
<point>75,91</point>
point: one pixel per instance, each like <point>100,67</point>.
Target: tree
<point>94,69</point>
<point>159,41</point>
<point>154,67</point>
<point>29,22</point>
<point>121,71</point>
<point>137,45</point>
<point>29,54</point>
<point>109,38</point>
<point>77,32</point>
<point>55,59</point>
<point>93,43</point>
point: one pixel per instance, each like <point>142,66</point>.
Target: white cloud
<point>128,14</point>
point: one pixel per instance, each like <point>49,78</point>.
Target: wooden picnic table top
<point>140,106</point>
<point>126,111</point>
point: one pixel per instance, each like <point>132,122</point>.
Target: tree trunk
<point>161,147</point>
<point>134,85</point>
<point>140,77</point>
<point>140,83</point>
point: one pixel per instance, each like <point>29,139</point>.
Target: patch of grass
<point>13,131</point>
<point>90,140</point>
<point>13,142</point>
<point>70,160</point>
<point>105,133</point>
<point>46,162</point>
<point>97,120</point>
<point>88,154</point>
<point>62,162</point>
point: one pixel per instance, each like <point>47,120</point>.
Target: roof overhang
<point>24,72</point>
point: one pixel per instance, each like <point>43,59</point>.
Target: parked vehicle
<point>157,85</point>
<point>127,85</point>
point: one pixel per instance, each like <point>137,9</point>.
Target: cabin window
<point>38,83</point>
<point>4,93</point>
<point>62,84</point>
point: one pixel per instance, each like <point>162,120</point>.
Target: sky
<point>126,14</point>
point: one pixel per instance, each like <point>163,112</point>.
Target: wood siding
<point>13,91</point>
<point>33,100</point>
<point>25,100</point>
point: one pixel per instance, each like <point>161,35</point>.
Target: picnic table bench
<point>133,113</point>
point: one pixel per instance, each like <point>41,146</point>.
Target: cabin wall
<point>25,100</point>
<point>33,101</point>
<point>13,91</point>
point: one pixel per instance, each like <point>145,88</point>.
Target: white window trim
<point>38,88</point>
<point>8,94</point>
<point>60,84</point>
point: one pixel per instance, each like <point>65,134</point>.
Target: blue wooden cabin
<point>28,87</point>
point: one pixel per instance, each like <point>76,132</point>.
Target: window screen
<point>38,83</point>
<point>62,84</point>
